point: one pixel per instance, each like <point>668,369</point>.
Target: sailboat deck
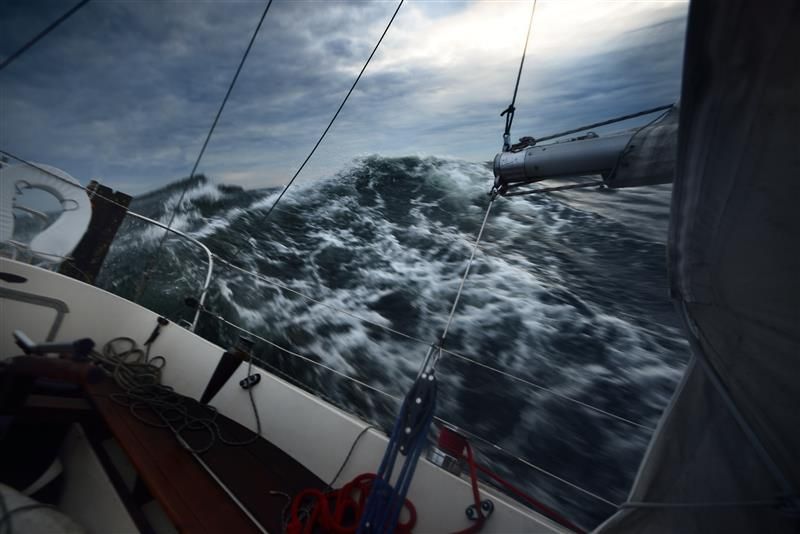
<point>190,496</point>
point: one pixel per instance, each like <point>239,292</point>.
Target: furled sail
<point>630,158</point>
<point>649,157</point>
<point>726,457</point>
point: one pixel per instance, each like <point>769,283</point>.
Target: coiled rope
<point>139,377</point>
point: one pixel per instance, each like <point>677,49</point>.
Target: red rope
<point>454,444</point>
<point>451,442</point>
<point>477,526</point>
<point>348,505</point>
<point>349,501</point>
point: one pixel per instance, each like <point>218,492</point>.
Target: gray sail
<point>650,155</point>
<point>726,456</point>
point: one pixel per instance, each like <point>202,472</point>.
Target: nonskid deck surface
<point>193,500</point>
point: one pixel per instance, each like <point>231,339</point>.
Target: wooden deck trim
<point>192,499</point>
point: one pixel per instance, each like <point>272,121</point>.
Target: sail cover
<point>726,456</point>
<point>649,158</point>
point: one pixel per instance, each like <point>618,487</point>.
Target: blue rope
<point>385,502</point>
<point>406,475</point>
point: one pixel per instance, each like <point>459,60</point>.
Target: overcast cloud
<point>125,91</point>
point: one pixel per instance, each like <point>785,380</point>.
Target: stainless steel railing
<point>94,193</point>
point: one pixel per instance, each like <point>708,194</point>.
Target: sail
<point>649,157</point>
<point>725,457</point>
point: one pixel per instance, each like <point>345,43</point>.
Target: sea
<point>566,306</point>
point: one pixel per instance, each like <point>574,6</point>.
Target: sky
<point>125,91</point>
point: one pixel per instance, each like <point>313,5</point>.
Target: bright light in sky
<point>493,29</point>
<point>126,90</point>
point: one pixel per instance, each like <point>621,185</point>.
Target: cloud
<point>126,91</point>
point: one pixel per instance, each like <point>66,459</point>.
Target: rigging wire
<point>155,257</point>
<point>509,111</point>
<point>466,271</point>
<point>41,35</point>
<point>330,124</point>
<point>457,298</point>
<point>605,122</point>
